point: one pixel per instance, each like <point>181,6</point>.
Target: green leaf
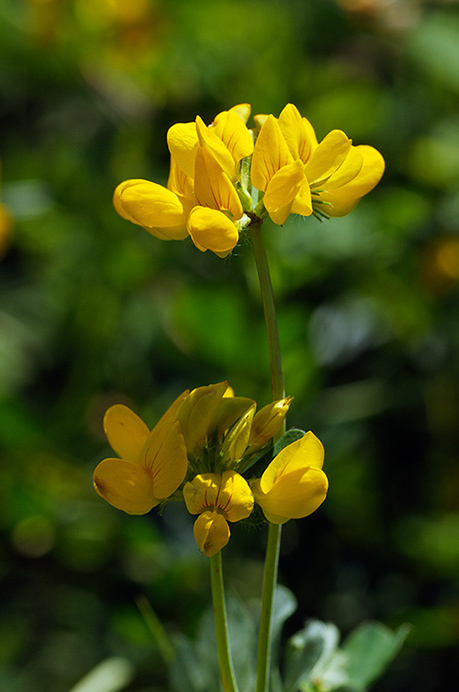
<point>195,667</point>
<point>284,606</point>
<point>267,454</point>
<point>308,651</point>
<point>370,648</point>
<point>243,640</point>
<point>186,671</point>
<point>110,675</point>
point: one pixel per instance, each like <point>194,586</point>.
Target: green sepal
<point>244,196</point>
<point>292,435</point>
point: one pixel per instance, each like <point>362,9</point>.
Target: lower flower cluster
<point>205,446</point>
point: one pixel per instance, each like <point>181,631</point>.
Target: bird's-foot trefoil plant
<point>228,461</point>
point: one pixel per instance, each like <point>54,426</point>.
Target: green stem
<point>221,625</point>
<point>267,603</point>
<point>269,309</point>
<point>274,534</point>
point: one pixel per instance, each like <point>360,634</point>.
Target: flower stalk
<point>221,625</point>
<point>269,310</point>
<point>275,530</point>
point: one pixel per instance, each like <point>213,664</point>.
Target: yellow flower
<point>212,224</point>
<point>301,176</point>
<point>227,137</point>
<point>200,199</point>
<point>294,484</point>
<point>152,464</point>
<point>217,498</point>
<point>276,173</point>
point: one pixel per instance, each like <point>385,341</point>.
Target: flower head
<point>152,465</point>
<point>293,485</point>
<point>267,422</point>
<point>217,498</point>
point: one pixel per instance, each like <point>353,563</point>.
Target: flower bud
<point>237,439</point>
<point>196,414</point>
<point>267,423</point>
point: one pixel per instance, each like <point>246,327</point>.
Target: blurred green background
<point>95,311</point>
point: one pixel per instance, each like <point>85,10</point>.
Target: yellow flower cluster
<point>202,445</point>
<point>224,176</point>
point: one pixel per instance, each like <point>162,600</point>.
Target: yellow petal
<point>211,532</point>
<point>201,492</point>
<point>165,456</point>
<point>348,171</point>
<point>125,485</point>
<point>302,204</point>
<point>152,206</point>
<point>310,134</point>
<point>182,140</point>
<point>234,134</point>
<point>212,230</point>
<point>236,498</point>
<point>297,133</point>
<point>259,121</point>
<point>213,188</point>
<point>228,491</point>
<point>345,198</point>
<point>126,432</point>
<point>174,407</point>
<point>271,153</point>
<point>328,156</point>
<point>305,452</point>
<point>179,183</point>
<point>243,111</point>
<point>296,494</point>
<point>214,143</point>
<point>282,190</point>
<point>117,195</point>
<point>229,409</point>
<point>196,414</point>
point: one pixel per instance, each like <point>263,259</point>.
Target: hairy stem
<point>274,533</point>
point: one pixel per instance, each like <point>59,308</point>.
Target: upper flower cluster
<point>225,175</point>
<point>203,445</point>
